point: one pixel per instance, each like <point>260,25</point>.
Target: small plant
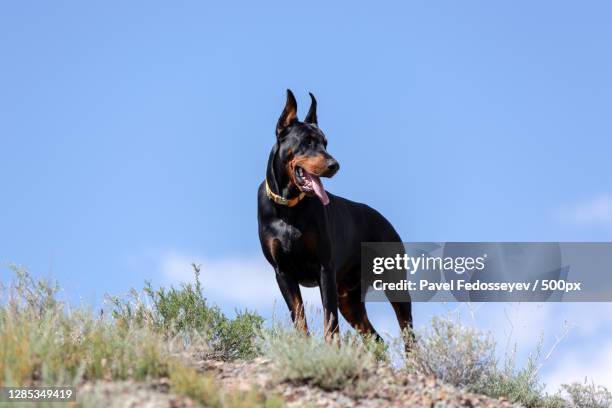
<point>176,311</point>
<point>237,338</point>
<point>588,395</point>
<point>517,385</point>
<point>454,353</point>
<point>309,359</point>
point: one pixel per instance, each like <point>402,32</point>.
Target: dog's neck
<point>277,177</point>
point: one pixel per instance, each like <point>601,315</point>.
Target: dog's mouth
<point>310,184</point>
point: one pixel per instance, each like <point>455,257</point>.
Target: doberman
<point>311,237</point>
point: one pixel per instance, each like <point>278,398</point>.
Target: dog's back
<point>352,223</point>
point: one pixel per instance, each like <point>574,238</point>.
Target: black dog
<point>312,238</point>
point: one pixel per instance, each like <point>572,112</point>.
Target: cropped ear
<point>289,115</point>
<point>311,117</point>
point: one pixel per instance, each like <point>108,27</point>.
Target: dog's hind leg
<point>354,311</point>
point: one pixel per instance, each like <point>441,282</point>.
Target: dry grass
<point>44,342</point>
<point>456,354</point>
<point>298,358</point>
<point>465,357</point>
<point>189,382</point>
<point>588,395</point>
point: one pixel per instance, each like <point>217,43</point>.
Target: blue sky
<point>133,136</point>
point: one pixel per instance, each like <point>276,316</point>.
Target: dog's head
<point>302,149</point>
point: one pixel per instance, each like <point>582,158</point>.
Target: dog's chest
<point>286,232</point>
<point>296,239</point>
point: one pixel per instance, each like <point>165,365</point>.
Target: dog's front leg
<point>329,299</point>
<point>290,289</point>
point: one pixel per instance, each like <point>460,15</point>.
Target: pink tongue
<point>319,190</point>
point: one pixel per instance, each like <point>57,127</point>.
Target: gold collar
<point>283,201</point>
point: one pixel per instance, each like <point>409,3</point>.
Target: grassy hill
<point>170,348</point>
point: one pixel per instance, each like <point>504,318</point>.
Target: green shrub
<point>176,311</point>
<point>236,338</point>
<point>309,359</point>
<point>520,385</point>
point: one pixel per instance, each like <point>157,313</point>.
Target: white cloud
<point>594,212</point>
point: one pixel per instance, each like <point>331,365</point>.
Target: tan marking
<point>331,328</point>
<point>300,315</point>
<point>274,246</point>
<point>291,117</point>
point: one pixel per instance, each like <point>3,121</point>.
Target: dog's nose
<point>332,165</point>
